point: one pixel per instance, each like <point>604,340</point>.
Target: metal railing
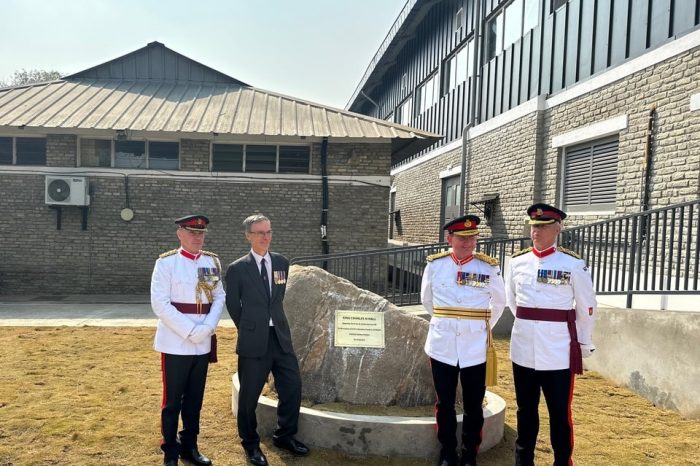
<point>652,252</point>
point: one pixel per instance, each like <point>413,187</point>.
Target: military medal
<point>477,280</point>
<point>208,274</point>
<point>279,277</point>
<point>553,277</point>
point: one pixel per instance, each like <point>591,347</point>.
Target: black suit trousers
<point>557,387</point>
<point>473,380</point>
<point>252,374</point>
<point>184,379</point>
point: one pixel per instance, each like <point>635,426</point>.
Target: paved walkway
<point>81,310</point>
<point>91,310</point>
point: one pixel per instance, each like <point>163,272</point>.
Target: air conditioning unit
<point>67,190</point>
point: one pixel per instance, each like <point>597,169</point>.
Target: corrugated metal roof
<point>184,107</point>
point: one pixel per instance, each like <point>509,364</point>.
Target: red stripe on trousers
<point>571,421</point>
<point>165,395</point>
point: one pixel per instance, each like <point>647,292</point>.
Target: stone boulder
<point>397,374</point>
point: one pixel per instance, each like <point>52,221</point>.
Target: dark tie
<point>263,274</point>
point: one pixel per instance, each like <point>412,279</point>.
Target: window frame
<point>147,153</point>
<point>13,157</point>
<point>499,17</point>
<point>244,153</point>
<point>433,80</point>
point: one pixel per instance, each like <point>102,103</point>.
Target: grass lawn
<point>91,396</point>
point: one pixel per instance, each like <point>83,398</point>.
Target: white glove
<point>200,333</point>
<point>587,350</point>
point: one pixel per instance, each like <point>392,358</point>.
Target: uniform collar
<point>545,253</point>
<point>458,261</point>
<point>189,255</point>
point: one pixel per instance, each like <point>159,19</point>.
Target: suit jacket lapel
<point>255,273</point>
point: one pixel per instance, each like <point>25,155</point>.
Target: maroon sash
<point>558,315</point>
<point>192,308</point>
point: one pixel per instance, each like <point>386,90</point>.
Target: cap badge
<point>539,212</point>
<point>468,224</point>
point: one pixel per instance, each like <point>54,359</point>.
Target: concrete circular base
<point>374,435</point>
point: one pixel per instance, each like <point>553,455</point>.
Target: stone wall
<point>517,159</point>
<point>61,150</point>
<point>113,256</point>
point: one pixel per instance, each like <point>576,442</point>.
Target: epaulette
<point>209,253</point>
<point>569,252</point>
<point>522,251</point>
<point>168,253</point>
<point>438,255</point>
<point>486,258</point>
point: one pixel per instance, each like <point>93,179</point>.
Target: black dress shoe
<point>448,459</point>
<point>292,445</point>
<point>170,463</point>
<point>195,457</point>
<point>255,456</point>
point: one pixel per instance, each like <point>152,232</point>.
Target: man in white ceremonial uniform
<point>188,298</point>
<point>550,292</point>
<point>464,293</point>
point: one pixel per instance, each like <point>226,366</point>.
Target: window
<point>590,176</point>
<point>458,19</point>
<point>95,152</point>
<point>458,67</point>
<point>403,112</point>
<point>427,94</point>
<point>30,151</point>
<point>163,155</point>
<point>5,151</point>
<point>260,158</point>
<point>404,82</point>
<point>130,154</point>
<point>556,4</point>
<point>227,158</point>
<point>511,23</point>
<point>294,159</point>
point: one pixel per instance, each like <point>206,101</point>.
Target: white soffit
<point>591,132</point>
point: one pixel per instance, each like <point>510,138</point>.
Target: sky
<point>316,50</point>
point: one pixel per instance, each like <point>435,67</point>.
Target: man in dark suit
<point>255,287</point>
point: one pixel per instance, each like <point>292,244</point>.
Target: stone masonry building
<point>592,106</point>
<point>95,166</point>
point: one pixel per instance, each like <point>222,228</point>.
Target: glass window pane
<point>163,155</point>
<point>461,66</point>
<point>512,30</point>
<point>470,58</point>
<point>6,151</point>
<point>294,159</point>
<point>31,151</point>
<point>130,154</point>
<point>494,36</point>
<point>260,158</point>
<point>531,15</point>
<point>95,153</point>
<point>227,158</point>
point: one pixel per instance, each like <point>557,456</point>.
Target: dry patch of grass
<point>91,396</point>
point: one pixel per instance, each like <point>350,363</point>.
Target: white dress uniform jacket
<point>558,280</point>
<point>175,280</point>
<point>460,342</point>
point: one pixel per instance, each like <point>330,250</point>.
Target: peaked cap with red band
<point>193,223</point>
<point>541,214</point>
<point>463,226</point>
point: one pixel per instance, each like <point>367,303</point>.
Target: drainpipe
<point>324,200</point>
<point>648,158</point>
<point>472,114</point>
